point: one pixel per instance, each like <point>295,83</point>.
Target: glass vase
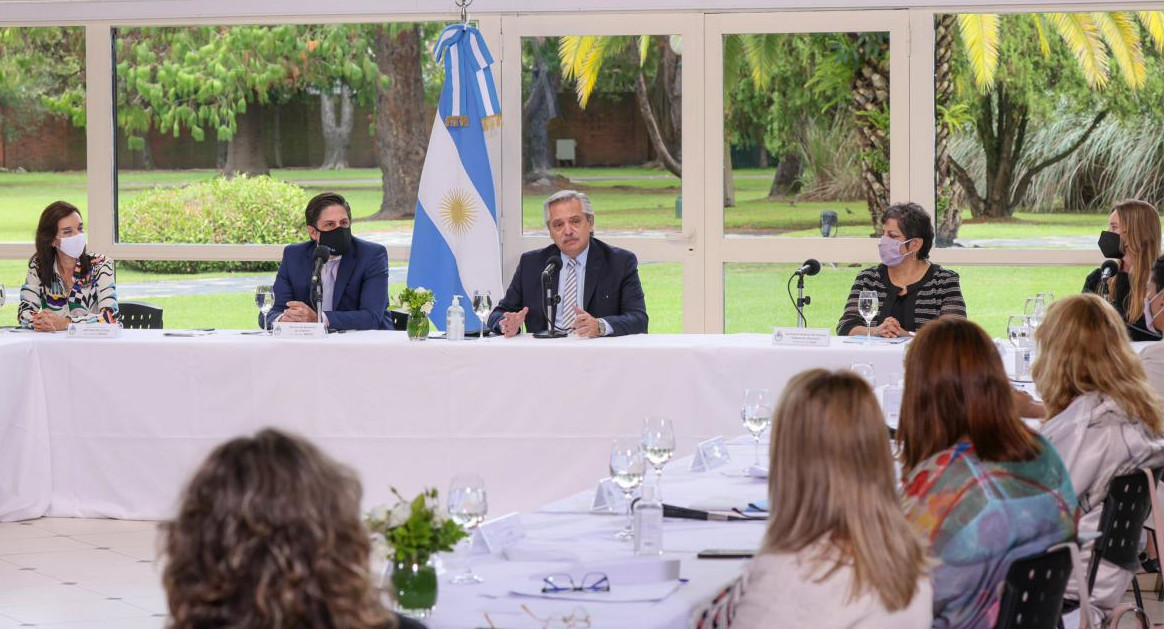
<point>413,587</point>
<point>417,326</point>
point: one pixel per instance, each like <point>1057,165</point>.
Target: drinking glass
<point>2,295</point>
<point>265,300</point>
<point>1048,297</point>
<point>756,413</point>
<point>467,507</point>
<point>866,371</point>
<point>658,444</point>
<point>867,304</point>
<point>1035,309</point>
<point>627,467</point>
<point>482,306</point>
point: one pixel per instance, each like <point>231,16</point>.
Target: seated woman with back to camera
<point>980,487</point>
<point>268,536</point>
<point>838,552</point>
<point>1103,418</point>
<point>911,291</point>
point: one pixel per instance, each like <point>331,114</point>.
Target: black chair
<point>1129,499</point>
<point>140,316</point>
<point>1032,593</point>
<point>399,319</point>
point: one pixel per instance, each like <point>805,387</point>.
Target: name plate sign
<point>287,330</point>
<point>801,337</point>
<point>607,497</point>
<point>710,454</point>
<point>94,330</point>
<point>498,534</point>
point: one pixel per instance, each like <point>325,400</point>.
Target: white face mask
<point>73,246</point>
<point>1148,316</point>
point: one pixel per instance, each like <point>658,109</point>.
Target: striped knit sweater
<point>938,293</point>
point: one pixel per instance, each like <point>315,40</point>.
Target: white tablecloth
<point>113,428</point>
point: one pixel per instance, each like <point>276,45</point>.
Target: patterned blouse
<point>937,293</point>
<point>977,517</point>
<point>92,300</point>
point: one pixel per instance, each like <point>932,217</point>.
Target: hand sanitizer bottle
<point>648,522</point>
<point>455,321</point>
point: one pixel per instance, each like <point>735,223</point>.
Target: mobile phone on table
<point>725,553</point>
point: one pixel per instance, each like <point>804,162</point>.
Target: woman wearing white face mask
<point>66,284</point>
<point>910,290</point>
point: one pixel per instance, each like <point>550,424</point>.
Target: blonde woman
<point>980,487</point>
<point>1132,239</point>
<point>1103,418</point>
<point>838,551</point>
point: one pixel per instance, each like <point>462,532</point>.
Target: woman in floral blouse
<point>66,284</point>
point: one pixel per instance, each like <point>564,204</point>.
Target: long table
<point>114,427</point>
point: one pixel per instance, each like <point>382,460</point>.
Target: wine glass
<point>1048,297</point>
<point>867,304</point>
<point>627,467</point>
<point>866,371</point>
<point>265,300</point>
<point>756,413</point>
<point>467,507</point>
<point>482,306</point>
<point>658,444</point>
<point>1035,309</point>
<point>2,295</point>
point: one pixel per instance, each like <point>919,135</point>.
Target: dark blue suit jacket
<point>613,291</point>
<point>360,298</point>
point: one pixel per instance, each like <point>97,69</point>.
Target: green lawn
<point>626,199</point>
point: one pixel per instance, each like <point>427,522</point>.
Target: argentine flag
<point>456,242</point>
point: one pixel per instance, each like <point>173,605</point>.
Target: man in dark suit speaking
<point>354,278</point>
<point>598,284</point>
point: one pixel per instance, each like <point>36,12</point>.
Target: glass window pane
<point>42,125</point>
<point>1059,162</point>
<point>619,141</point>
<point>756,299</point>
<point>806,133</point>
<point>335,107</point>
<point>663,287</point>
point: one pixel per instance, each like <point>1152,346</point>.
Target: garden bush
<point>237,210</point>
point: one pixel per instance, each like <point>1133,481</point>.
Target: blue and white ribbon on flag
<point>456,242</point>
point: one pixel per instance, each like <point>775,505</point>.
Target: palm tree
<point>1094,40</point>
<point>582,58</point>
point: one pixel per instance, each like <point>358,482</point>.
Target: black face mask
<point>339,240</point>
<point>1109,245</point>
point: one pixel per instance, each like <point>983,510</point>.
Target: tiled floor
<point>101,574</point>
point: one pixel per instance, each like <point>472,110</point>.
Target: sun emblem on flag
<point>458,211</point>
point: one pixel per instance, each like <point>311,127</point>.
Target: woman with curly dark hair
<point>268,535</point>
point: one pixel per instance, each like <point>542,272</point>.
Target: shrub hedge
<point>236,210</point>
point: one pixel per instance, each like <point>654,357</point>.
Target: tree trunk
<point>729,184</point>
<point>277,137</point>
<point>787,180</point>
<point>536,114</point>
<point>147,154</point>
<point>764,157</point>
<point>401,128</point>
<point>669,162</point>
<point>337,133</point>
<point>245,154</point>
<point>946,211</point>
<point>870,105</point>
<point>671,73</point>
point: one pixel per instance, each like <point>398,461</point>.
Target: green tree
<point>1011,59</point>
<point>42,72</point>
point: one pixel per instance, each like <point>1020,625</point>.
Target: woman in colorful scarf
<point>980,487</point>
<point>65,283</point>
<point>1103,417</point>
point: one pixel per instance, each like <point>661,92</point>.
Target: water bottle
<point>455,321</point>
<point>648,527</point>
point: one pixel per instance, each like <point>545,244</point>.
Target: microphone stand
<point>550,300</point>
<point>801,302</point>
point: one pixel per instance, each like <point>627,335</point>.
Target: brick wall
<point>609,131</point>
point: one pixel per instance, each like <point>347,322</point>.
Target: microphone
<point>321,255</point>
<point>552,266</point>
<point>1108,269</point>
<point>810,267</point>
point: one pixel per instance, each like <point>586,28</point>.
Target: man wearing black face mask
<point>355,277</point>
